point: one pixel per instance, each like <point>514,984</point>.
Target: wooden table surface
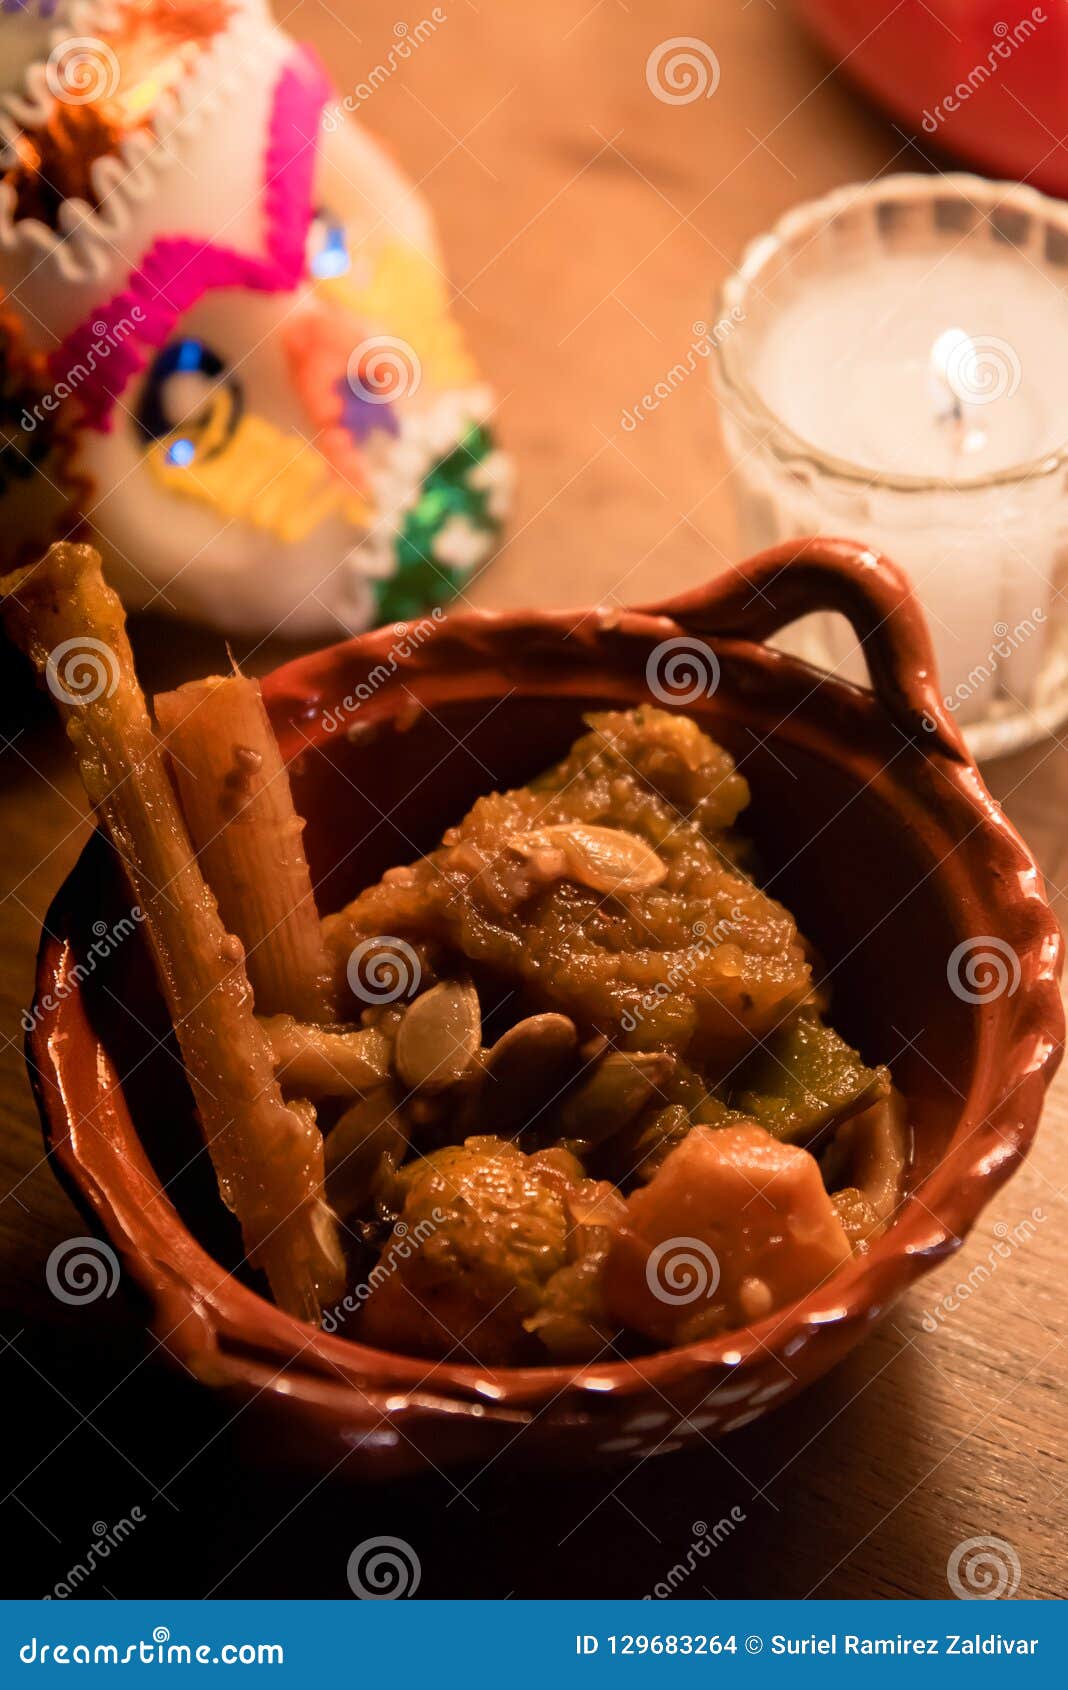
<point>586,226</point>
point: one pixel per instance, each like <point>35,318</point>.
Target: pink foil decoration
<point>178,271</point>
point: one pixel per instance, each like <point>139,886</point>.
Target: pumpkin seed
<point>365,1135</point>
<point>315,1061</point>
<point>618,1089</point>
<point>524,1070</point>
<point>606,859</point>
<point>439,1037</point>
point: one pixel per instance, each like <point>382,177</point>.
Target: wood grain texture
<point>586,226</point>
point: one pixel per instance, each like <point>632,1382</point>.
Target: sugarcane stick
<point>267,1154</point>
<point>239,810</point>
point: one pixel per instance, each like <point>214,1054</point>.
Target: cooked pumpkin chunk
<point>603,987</point>
<point>609,891</point>
<point>733,1225</point>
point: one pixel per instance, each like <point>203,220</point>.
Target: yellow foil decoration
<point>275,481</point>
<point>407,292</point>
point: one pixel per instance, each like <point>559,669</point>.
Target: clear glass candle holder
<point>892,367</point>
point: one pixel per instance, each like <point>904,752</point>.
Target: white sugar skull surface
<point>226,343</point>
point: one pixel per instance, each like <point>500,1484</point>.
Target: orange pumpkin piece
<point>733,1225</point>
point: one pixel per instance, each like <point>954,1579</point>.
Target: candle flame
<point>949,359</point>
<point>952,383</point>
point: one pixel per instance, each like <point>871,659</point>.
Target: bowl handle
<point>776,587</point>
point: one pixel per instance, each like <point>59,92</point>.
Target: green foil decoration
<point>420,582</point>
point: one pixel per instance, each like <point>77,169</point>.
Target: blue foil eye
<point>194,355</point>
<point>157,418</point>
<point>328,247</point>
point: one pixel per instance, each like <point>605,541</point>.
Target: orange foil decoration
<point>147,54</point>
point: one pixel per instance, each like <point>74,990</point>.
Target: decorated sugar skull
<point>225,340</point>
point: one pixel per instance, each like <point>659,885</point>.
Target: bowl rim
<point>225,1329</point>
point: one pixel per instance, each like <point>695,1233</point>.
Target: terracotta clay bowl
<point>873,825</point>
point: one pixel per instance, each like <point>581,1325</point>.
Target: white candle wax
<point>884,347</point>
<point>846,363</point>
